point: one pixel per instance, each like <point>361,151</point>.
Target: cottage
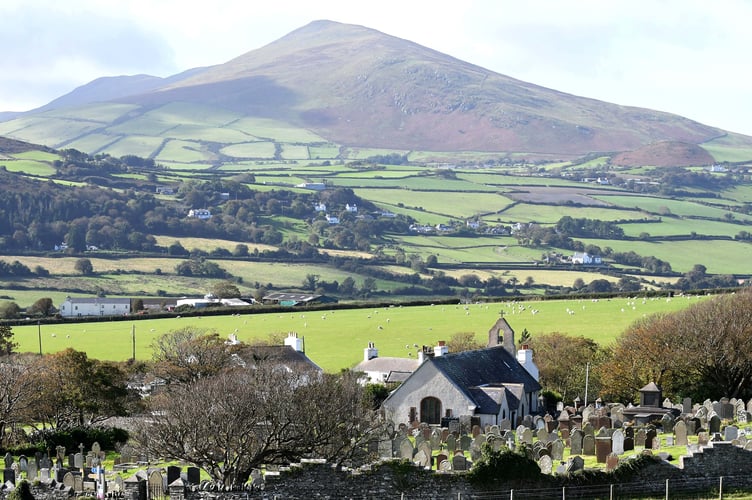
<point>199,213</point>
<point>586,259</point>
<point>387,370</point>
<point>94,306</point>
<point>490,384</point>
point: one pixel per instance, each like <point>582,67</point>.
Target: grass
<point>250,150</point>
<point>183,151</point>
<point>29,167</point>
<point>452,205</point>
<point>336,339</point>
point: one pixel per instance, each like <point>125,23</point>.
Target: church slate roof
<point>493,366</point>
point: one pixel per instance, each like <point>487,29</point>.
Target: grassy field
<point>336,339</point>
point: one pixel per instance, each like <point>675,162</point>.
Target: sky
<point>686,57</point>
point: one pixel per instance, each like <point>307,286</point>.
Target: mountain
<point>359,88</point>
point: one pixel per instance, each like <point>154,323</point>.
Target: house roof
<point>281,354</point>
<point>295,297</point>
<point>97,300</point>
<point>387,365</point>
<point>478,372</point>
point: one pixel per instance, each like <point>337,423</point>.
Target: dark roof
<point>282,354</point>
<point>97,300</point>
<point>493,366</point>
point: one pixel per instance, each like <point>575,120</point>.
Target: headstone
<point>505,425</point>
<point>588,445</point>
<point>465,442</point>
<point>640,437</point>
<point>687,405</point>
<point>702,438</point>
<point>44,474</point>
<point>78,461</point>
<point>667,423</point>
<point>32,471</point>
<point>71,461</point>
<point>557,450</point>
<point>173,473</point>
<point>406,449</point>
<point>649,437</point>
<point>545,464</point>
<point>68,480</point>
<point>576,442</point>
<point>680,432</point>
<point>422,459</point>
<point>445,465</point>
<point>8,459</point>
<point>628,444</point>
<point>602,449</point>
<point>670,441</point>
<point>542,435</point>
<point>78,483</point>
<point>119,486</point>
<point>728,411</point>
<point>714,424</point>
<point>575,464</point>
<point>459,462</point>
<point>617,442</point>
<point>193,475</point>
<point>9,476</point>
<point>730,432</point>
<point>527,436</point>
<point>451,443</point>
<point>612,461</point>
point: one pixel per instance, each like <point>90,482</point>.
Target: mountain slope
<point>351,86</point>
<point>357,86</point>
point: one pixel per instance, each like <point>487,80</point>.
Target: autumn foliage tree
<point>704,351</point>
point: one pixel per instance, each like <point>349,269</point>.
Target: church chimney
<point>525,358</point>
<point>293,341</point>
<point>370,352</point>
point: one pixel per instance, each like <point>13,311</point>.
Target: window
<point>430,410</point>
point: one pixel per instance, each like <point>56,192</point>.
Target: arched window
<point>430,410</point>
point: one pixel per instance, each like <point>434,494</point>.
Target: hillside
<point>664,154</point>
<point>341,85</point>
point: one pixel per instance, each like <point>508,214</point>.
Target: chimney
<point>441,349</point>
<point>525,358</point>
<point>370,352</point>
<point>293,341</point>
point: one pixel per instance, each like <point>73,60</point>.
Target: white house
<point>332,219</point>
<point>586,258</point>
<point>94,306</point>
<point>351,208</point>
<point>199,213</point>
<point>378,370</point>
<point>320,207</point>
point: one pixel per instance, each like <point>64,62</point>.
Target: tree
<point>259,414</point>
<point>16,389</point>
<point>562,360</point>
<point>310,282</point>
<point>225,290</point>
<point>6,341</point>
<point>42,307</point>
<point>463,341</point>
<point>84,266</point>
<point>75,391</point>
<point>190,354</point>
<point>9,310</point>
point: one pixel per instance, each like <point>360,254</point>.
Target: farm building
<point>296,299</point>
<point>94,306</point>
<point>488,385</point>
<point>199,213</point>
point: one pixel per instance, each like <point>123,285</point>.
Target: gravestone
<point>617,442</point>
<point>602,449</point>
<point>670,441</point>
<point>588,445</point>
<point>9,476</point>
<point>441,457</point>
<point>640,438</point>
<point>728,411</point>
<point>557,450</point>
<point>667,423</point>
<point>32,471</point>
<point>730,432</point>
<point>435,439</point>
<point>68,480</point>
<point>459,462</point>
<point>576,442</point>
<point>71,461</point>
<point>8,459</point>
<point>612,461</point>
<point>575,464</point>
<point>78,483</point>
<point>445,465</point>
<point>23,463</point>
<point>119,485</point>
<point>628,444</point>
<point>714,424</point>
<point>465,442</point>
<point>173,473</point>
<point>406,449</point>
<point>542,435</point>
<point>649,438</point>
<point>545,464</point>
<point>702,438</point>
<point>425,447</point>
<point>421,459</point>
<point>78,461</point>
<point>527,436</point>
<point>193,475</point>
<point>451,443</point>
<point>687,405</point>
<point>44,474</point>
<point>680,432</point>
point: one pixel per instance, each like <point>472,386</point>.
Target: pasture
<point>335,339</point>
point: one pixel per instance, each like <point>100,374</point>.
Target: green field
<point>336,339</point>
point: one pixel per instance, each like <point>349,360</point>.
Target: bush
<point>21,492</point>
<point>107,437</point>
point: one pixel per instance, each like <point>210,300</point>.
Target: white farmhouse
<point>73,307</point>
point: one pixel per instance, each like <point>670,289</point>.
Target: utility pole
<point>39,334</point>
<point>133,341</point>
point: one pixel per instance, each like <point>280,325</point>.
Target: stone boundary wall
<point>393,479</point>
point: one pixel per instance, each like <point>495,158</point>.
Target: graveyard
<point>691,446</point>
